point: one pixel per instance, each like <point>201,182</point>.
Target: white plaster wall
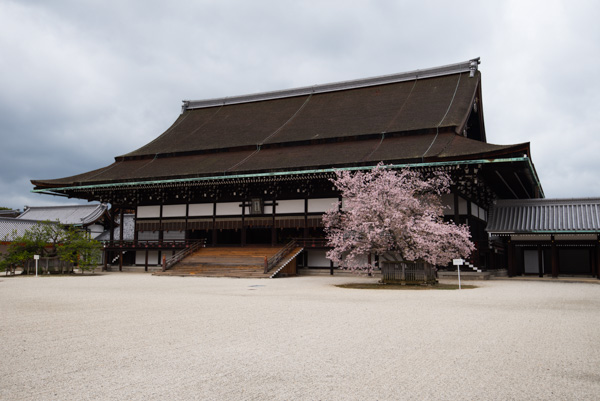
<point>171,235</point>
<point>201,209</point>
<point>140,258</point>
<point>173,210</point>
<point>95,230</point>
<point>462,206</point>
<point>290,206</point>
<point>482,214</point>
<point>268,209</point>
<point>147,235</point>
<point>148,211</point>
<point>474,209</point>
<point>448,204</point>
<point>316,258</point>
<point>320,205</point>
<point>229,208</point>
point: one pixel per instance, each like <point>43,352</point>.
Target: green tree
<point>17,253</point>
<point>79,249</point>
<point>49,239</point>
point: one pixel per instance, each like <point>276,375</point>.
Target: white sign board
<point>36,257</point>
<point>458,263</point>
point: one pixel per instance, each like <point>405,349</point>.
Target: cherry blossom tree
<point>397,215</point>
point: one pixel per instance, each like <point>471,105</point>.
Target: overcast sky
<point>84,81</point>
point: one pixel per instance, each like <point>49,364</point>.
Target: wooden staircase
<point>240,262</point>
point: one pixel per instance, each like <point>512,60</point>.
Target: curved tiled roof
<point>11,228</point>
<point>545,216</point>
<point>70,214</point>
<point>426,116</point>
<point>407,149</point>
<point>419,104</point>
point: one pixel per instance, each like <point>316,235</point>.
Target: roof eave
<point>281,174</point>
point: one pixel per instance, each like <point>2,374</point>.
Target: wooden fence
<point>406,272</point>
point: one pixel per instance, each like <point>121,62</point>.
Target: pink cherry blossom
<point>397,215</point>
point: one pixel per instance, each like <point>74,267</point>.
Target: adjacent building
<point>548,236</point>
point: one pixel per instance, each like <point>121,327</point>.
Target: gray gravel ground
<point>131,336</point>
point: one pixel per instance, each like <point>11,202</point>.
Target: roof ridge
<point>61,206</point>
<point>466,66</point>
<point>548,201</point>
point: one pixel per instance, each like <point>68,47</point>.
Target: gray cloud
<point>83,82</point>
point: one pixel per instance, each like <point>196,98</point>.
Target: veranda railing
<point>275,259</point>
<point>178,256</point>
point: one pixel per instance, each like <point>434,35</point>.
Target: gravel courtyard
<point>131,336</point>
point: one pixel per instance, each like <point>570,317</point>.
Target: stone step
<point>225,262</point>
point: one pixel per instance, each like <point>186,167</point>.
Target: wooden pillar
<point>511,258</point>
<point>469,211</point>
<point>120,260</point>
<point>186,237</point>
<point>540,261</point>
<point>135,230</point>
<point>111,226</point>
<point>160,226</point>
<point>244,223</point>
<point>111,237</point>
<point>146,261</point>
<point>555,266</point>
<point>305,231</point>
<point>106,256</point>
<point>273,228</point>
<point>214,224</point>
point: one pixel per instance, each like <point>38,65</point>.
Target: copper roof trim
<point>465,66</point>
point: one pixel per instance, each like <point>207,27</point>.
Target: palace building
<point>256,169</point>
